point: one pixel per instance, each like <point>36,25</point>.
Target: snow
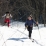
<point>16,35</point>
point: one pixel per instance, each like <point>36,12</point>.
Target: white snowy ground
<point>16,35</point>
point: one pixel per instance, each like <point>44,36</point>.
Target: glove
<point>37,24</point>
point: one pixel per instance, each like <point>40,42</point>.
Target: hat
<point>30,16</point>
<point>7,12</point>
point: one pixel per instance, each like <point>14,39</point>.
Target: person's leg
<point>30,32</point>
<point>8,22</point>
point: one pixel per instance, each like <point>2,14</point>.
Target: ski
<point>32,40</point>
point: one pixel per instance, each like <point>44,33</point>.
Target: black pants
<point>30,30</point>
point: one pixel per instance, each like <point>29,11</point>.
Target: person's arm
<point>10,15</point>
<point>26,24</point>
<point>35,22</point>
<point>4,15</point>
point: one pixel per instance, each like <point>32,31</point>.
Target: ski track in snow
<point>16,35</point>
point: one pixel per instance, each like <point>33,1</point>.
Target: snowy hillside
<point>16,35</point>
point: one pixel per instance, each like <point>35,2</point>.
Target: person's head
<point>7,12</point>
<point>30,17</point>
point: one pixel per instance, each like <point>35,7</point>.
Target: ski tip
<point>32,41</point>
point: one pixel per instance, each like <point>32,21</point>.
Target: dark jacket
<point>29,23</point>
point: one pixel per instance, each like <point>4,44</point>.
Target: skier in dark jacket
<point>29,25</point>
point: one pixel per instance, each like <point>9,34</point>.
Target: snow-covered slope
<point>16,35</point>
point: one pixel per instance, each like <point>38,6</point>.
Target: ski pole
<point>39,32</point>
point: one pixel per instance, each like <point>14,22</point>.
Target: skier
<point>29,25</point>
<point>7,18</point>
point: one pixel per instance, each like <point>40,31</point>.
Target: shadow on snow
<point>18,39</point>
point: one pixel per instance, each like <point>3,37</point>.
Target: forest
<point>20,9</point>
